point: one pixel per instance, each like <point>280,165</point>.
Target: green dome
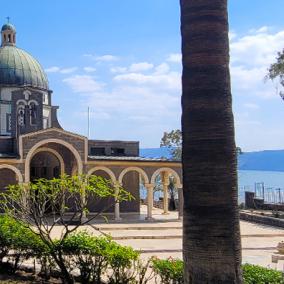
<point>18,68</point>
<point>8,27</point>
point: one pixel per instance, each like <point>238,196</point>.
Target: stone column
<point>165,182</point>
<point>117,204</point>
<point>149,188</point>
<point>84,216</point>
<point>180,199</point>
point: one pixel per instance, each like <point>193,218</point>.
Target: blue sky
<point>122,58</point>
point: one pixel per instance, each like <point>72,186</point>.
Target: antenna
<point>89,130</point>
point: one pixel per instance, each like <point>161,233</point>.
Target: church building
<point>33,144</point>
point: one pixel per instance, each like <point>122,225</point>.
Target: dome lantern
<point>8,33</point>
<point>17,67</point>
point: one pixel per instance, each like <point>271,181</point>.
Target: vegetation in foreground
<point>91,259</point>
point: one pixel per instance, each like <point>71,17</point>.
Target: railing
<point>272,195</point>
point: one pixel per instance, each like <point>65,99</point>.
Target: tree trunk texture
<point>211,242</point>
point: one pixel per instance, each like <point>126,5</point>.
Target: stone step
<point>280,265</point>
<point>142,228</point>
<point>146,237</point>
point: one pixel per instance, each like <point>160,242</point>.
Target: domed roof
<point>8,27</point>
<point>18,68</point>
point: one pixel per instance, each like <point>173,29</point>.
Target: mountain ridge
<point>266,160</point>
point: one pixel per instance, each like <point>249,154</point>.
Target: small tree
<point>61,201</point>
<point>276,71</point>
<point>173,141</point>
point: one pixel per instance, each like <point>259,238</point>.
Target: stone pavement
<point>162,237</point>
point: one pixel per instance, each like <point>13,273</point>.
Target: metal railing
<point>272,195</point>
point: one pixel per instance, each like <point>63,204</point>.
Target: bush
<point>88,254</point>
<point>170,270</point>
<point>254,274</point>
<point>18,243</point>
<point>123,262</point>
<point>96,257</point>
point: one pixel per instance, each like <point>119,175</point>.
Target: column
<point>117,204</point>
<point>84,216</point>
<point>180,199</point>
<point>165,182</point>
<point>149,188</point>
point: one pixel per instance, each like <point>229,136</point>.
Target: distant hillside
<point>269,160</point>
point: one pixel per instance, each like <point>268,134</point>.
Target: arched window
<point>21,115</point>
<point>33,113</point>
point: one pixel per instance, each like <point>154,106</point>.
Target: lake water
<point>247,181</point>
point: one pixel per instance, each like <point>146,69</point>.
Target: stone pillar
<point>117,204</point>
<point>180,201</point>
<point>165,182</point>
<point>83,198</point>
<point>149,188</point>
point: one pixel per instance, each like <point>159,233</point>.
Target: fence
<point>270,195</point>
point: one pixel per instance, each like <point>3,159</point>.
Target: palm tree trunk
<point>211,244</point>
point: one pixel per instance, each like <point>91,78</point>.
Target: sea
<point>271,181</point>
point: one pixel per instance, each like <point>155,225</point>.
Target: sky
<point>122,59</point>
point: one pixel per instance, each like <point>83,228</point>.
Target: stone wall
<point>131,147</point>
<point>76,141</point>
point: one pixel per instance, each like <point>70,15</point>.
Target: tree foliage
<point>45,204</point>
<point>276,70</point>
<point>173,141</point>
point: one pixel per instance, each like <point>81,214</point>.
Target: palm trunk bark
<point>211,244</point>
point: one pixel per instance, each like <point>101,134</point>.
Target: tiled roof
<point>128,158</point>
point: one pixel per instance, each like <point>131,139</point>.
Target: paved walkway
<point>163,236</point>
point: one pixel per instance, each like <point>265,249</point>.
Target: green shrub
<point>170,270</point>
<point>96,257</point>
<point>88,254</point>
<point>123,262</point>
<point>18,243</point>
<point>254,274</point>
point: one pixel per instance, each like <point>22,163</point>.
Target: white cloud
<point>102,58</point>
<point>83,84</point>
<point>68,70</point>
<point>56,69</point>
<point>141,66</point>
<point>258,49</point>
<point>170,81</point>
<point>137,104</point>
<point>118,69</point>
<point>174,58</point>
<point>251,106</point>
<point>53,69</point>
<point>89,69</point>
<point>251,56</point>
<point>162,69</point>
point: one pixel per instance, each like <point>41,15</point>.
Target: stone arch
<point>105,169</point>
<point>55,153</point>
<point>46,141</point>
<point>136,169</point>
<point>22,101</point>
<point>169,170</point>
<point>15,170</point>
<point>33,101</point>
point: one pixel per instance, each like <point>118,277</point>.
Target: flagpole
<point>89,130</point>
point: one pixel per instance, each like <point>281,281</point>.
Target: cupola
<point>8,33</point>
